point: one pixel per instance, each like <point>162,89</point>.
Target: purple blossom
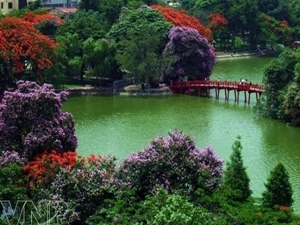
<point>191,54</point>
<point>31,120</point>
<point>8,157</point>
<point>174,163</point>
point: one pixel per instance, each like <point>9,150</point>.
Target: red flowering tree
<point>217,21</point>
<point>22,47</point>
<point>182,19</point>
<point>38,18</point>
<point>274,31</point>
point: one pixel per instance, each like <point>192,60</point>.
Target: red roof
<point>67,10</point>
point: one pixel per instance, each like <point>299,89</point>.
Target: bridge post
<point>249,94</point>
<point>245,94</point>
<point>234,95</point>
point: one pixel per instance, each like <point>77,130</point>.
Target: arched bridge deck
<point>227,86</point>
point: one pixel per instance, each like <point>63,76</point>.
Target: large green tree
<point>140,37</point>
<point>141,57</point>
<point>71,35</point>
<point>99,56</point>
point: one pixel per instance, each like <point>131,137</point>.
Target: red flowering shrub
<point>43,168</point>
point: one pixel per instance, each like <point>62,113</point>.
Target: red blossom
<point>182,19</point>
<point>21,42</point>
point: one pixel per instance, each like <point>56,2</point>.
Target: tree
<point>46,23</point>
<point>32,122</point>
<point>278,74</point>
<point>141,57</point>
<point>235,175</point>
<point>34,5</point>
<point>133,20</point>
<point>99,58</point>
<point>279,190</point>
<point>138,52</point>
<point>86,24</point>
<point>23,48</point>
<point>191,54</point>
<point>109,9</point>
<point>182,19</point>
<point>89,5</point>
<point>291,102</point>
<point>73,33</point>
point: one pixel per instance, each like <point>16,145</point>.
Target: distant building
<point>6,6</point>
<point>59,3</point>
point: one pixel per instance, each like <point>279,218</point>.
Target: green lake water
<point>121,125</point>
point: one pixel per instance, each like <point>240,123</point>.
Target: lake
<point>122,124</point>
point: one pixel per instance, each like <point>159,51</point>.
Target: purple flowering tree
<point>31,121</point>
<point>190,54</point>
<point>173,163</point>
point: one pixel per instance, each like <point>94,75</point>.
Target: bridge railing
<point>218,84</point>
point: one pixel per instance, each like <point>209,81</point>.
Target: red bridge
<point>227,86</point>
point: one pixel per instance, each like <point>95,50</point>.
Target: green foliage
<point>138,52</point>
<point>99,58</point>
<point>123,209</point>
<point>110,9</point>
<point>134,20</point>
<point>12,184</point>
<point>279,190</point>
<point>235,175</point>
<point>277,76</point>
<point>69,53</point>
<point>86,24</point>
<point>34,5</point>
<point>291,102</point>
<point>164,209</point>
<point>140,56</point>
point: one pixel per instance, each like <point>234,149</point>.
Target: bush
<point>44,167</point>
<point>173,163</point>
<point>164,209</point>
<point>32,122</point>
<point>279,190</point>
<point>84,186</point>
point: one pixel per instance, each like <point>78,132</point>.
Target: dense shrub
<point>84,186</point>
<point>235,175</point>
<point>32,122</point>
<point>164,209</point>
<point>279,190</point>
<point>12,185</point>
<point>174,163</point>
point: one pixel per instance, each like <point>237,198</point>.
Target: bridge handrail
<point>217,83</point>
